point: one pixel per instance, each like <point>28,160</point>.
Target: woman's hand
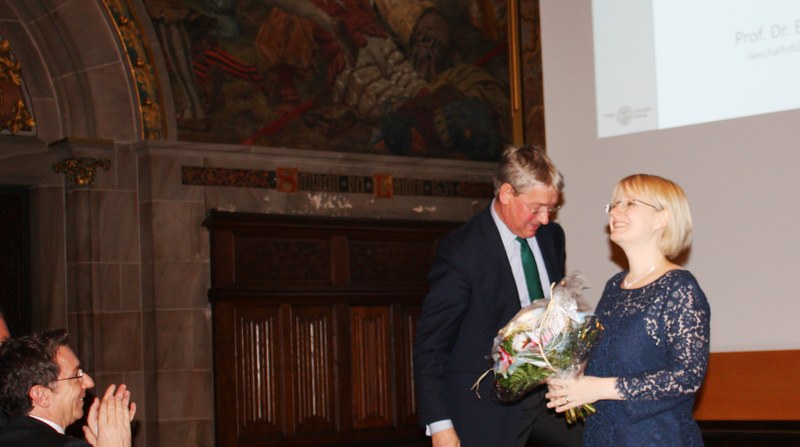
<point>564,394</point>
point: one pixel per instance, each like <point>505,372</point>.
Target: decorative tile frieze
<point>290,180</point>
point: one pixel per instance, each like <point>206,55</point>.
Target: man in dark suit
<point>42,388</point>
<point>477,284</point>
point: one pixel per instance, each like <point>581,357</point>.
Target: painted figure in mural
<point>296,29</point>
<point>365,71</point>
<point>380,76</point>
<point>464,110</point>
<point>195,60</point>
<point>169,19</point>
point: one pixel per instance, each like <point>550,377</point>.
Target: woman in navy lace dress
<point>647,367</point>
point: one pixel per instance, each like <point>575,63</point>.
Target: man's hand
<point>109,419</point>
<point>446,438</point>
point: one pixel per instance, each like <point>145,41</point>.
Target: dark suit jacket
<point>25,431</point>
<point>472,295</point>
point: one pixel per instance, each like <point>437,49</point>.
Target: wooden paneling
<point>261,263</point>
<point>257,366</point>
<point>314,322</point>
<point>311,369</point>
<point>370,343</point>
<point>406,327</point>
<point>383,263</point>
<point>751,386</point>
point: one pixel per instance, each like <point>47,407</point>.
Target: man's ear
<point>40,396</point>
<point>506,193</point>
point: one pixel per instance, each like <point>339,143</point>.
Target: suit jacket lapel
<point>547,246</point>
<point>495,254</point>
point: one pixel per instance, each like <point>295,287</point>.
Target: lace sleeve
<point>680,328</point>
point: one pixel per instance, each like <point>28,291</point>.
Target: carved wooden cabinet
<point>314,320</point>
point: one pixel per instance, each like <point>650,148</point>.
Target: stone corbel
<point>79,159</point>
<point>81,171</point>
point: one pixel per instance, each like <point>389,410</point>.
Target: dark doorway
<point>15,300</point>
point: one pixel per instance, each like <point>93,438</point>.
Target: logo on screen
<point>624,115</point>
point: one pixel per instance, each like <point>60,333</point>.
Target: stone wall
<point>124,264</point>
<point>175,252</point>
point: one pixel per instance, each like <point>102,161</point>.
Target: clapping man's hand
<point>109,419</point>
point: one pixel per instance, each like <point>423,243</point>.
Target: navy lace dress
<point>656,341</point>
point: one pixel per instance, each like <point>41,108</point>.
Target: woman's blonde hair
<point>664,195</point>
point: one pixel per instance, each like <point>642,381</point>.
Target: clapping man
<point>42,388</point>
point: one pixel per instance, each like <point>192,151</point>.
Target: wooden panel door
<point>314,322</point>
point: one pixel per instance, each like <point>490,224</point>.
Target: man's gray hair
<point>524,167</point>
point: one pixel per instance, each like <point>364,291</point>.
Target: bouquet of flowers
<point>547,337</point>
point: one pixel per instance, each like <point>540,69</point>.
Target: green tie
<point>531,272</point>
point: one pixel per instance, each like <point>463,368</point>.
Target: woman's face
<point>633,219</point>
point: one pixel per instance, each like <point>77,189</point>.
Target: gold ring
<point>566,399</point>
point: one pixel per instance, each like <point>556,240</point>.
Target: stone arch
<point>76,73</point>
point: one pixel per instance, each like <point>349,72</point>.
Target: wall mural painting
<point>425,78</point>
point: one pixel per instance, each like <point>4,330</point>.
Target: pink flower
<point>505,361</point>
<point>523,342</point>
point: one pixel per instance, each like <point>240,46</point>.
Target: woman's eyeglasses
<point>622,205</point>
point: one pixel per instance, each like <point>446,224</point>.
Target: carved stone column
<point>104,309</point>
<point>78,160</point>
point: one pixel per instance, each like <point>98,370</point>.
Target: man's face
<point>524,212</point>
<point>66,401</point>
<point>430,45</point>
